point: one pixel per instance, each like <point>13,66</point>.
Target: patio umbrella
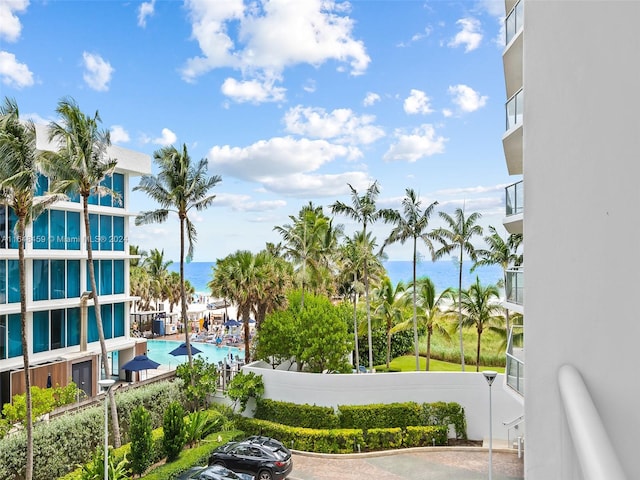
<point>182,350</point>
<point>232,323</point>
<point>140,362</point>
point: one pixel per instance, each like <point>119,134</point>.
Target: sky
<point>290,101</point>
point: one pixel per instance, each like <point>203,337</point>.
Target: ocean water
<point>443,273</point>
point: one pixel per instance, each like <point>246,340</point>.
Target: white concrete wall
<point>581,224</point>
<point>468,389</point>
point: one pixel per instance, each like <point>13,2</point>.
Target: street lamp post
<point>105,385</point>
<point>490,376</point>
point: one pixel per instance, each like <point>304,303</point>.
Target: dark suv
<point>264,457</point>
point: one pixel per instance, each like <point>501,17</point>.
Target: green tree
<point>245,386</point>
<point>390,303</point>
<point>276,341</point>
<point>363,210</point>
<point>275,279</point>
<point>79,167</point>
<point>141,441</point>
<point>412,224</point>
<point>458,237</point>
<point>157,267</point>
<point>481,309</point>
<point>180,187</point>
<point>199,381</point>
<point>501,252</point>
<point>173,428</point>
<point>19,168</point>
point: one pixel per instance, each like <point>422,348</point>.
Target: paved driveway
<point>448,463</point>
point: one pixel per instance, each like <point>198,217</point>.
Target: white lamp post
<point>105,385</point>
<point>490,376</point>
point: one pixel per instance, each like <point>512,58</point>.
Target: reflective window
<point>14,337</point>
<point>40,331</point>
<point>73,326</point>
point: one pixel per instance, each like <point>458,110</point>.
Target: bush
<point>174,431</point>
<point>245,386</point>
<point>293,414</point>
<point>141,443</point>
<point>380,415</point>
<point>445,414</point>
<point>425,436</point>
<point>383,438</point>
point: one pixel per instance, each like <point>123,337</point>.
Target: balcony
<point>514,21</point>
<point>514,289</point>
<point>512,139</point>
<point>514,202</point>
<point>514,370</point>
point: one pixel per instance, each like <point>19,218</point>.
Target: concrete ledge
<point>385,453</point>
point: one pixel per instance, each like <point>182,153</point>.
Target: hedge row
<point>346,440</point>
<point>364,417</point>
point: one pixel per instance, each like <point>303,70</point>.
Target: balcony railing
<point>514,198</point>
<point>514,21</point>
<point>514,110</point>
<point>515,366</point>
<point>514,287</point>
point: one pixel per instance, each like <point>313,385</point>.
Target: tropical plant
<point>275,277</point>
<point>481,309</point>
<point>245,386</point>
<point>141,441</point>
<point>412,224</point>
<point>500,252</point>
<point>173,429</point>
<point>180,187</point>
<point>18,181</point>
<point>458,237</point>
<point>390,303</point>
<point>201,423</point>
<point>363,210</point>
<point>79,167</point>
<point>199,381</point>
<point>94,470</point>
<point>157,267</point>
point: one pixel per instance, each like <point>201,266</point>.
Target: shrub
<point>198,380</point>
<point>383,438</point>
<point>174,431</point>
<point>306,416</point>
<point>141,443</point>
<point>245,386</point>
<point>380,415</point>
<point>425,436</point>
<point>442,413</point>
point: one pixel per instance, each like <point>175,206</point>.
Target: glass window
<point>74,197</point>
<point>118,188</point>
<point>58,237</point>
<point>3,281</point>
<point>73,326</point>
<point>107,320</point>
<point>13,284</point>
<point>118,233</point>
<point>105,200</point>
<point>58,289</point>
<point>40,280</point>
<point>92,326</point>
<point>15,339</point>
<point>118,276</point>
<point>41,231</point>
<point>42,185</point>
<point>73,231</point>
<point>57,329</point>
<point>3,337</point>
<point>106,277</point>
<point>118,320</point>
<point>73,278</point>
<point>40,331</point>
<point>95,231</point>
<point>13,221</point>
<point>96,274</point>
<point>106,233</point>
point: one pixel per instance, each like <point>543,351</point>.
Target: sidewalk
<point>459,463</point>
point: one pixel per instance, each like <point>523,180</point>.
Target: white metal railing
<point>519,436</point>
<point>514,370</point>
<point>514,109</point>
<point>514,286</point>
<point>597,457</point>
<point>514,198</point>
<point>514,21</point>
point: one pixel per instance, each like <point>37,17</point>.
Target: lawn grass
<point>407,363</point>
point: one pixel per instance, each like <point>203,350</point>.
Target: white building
<point>57,285</point>
<point>572,70</point>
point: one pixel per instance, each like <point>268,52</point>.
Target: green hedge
<point>293,414</point>
<point>442,413</point>
<point>380,415</point>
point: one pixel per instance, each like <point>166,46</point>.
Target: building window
<point>115,183</point>
<point>118,276</point>
<point>54,279</point>
<point>109,275</point>
<point>73,326</point>
<point>55,329</point>
<point>8,222</point>
<point>112,321</point>
<point>56,230</point>
<point>40,331</point>
<point>118,319</point>
<point>107,232</point>
<point>10,339</point>
<point>106,277</point>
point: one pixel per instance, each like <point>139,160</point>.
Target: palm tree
<point>275,277</point>
<point>180,187</point>
<point>363,210</point>
<point>501,252</point>
<point>79,167</point>
<point>18,182</point>
<point>412,225</point>
<point>157,267</point>
<point>458,237</point>
<point>480,309</point>
<point>136,250</point>
<point>390,304</point>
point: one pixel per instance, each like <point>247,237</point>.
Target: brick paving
<point>450,463</point>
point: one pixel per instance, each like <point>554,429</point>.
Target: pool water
<point>158,350</point>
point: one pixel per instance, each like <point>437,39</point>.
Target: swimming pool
<point>158,350</point>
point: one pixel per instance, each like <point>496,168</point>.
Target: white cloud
<point>493,7</point>
<point>10,26</point>
<point>304,186</point>
<point>252,91</point>
<point>119,134</point>
<point>98,72</point>
<point>471,190</point>
<point>146,10</point>
<point>469,36</point>
<point>417,102</point>
<point>14,73</point>
<point>370,99</point>
<point>447,113</point>
<point>271,36</point>
<point>244,203</point>
<point>466,98</point>
<point>167,138</point>
<point>342,125</point>
<point>309,86</point>
<point>422,142</point>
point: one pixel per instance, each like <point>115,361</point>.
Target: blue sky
<point>290,101</point>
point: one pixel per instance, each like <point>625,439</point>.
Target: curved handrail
<point>596,454</point>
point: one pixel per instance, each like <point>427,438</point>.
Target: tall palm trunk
<point>96,304</point>
<point>478,352</point>
<point>246,314</point>
<point>460,309</point>
<point>429,333</point>
<point>183,293</point>
<point>25,346</point>
<point>355,326</point>
<point>415,313</point>
<point>368,303</point>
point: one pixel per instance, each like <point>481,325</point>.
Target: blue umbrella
<point>232,323</point>
<point>182,350</point>
<point>140,362</point>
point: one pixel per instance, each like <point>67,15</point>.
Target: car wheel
<point>264,475</point>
